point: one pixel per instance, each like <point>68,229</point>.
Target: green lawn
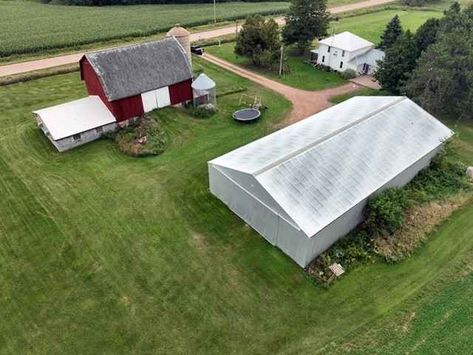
<point>28,27</point>
<point>302,75</point>
<point>103,253</point>
<point>371,26</point>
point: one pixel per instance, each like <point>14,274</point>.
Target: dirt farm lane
<point>40,64</point>
<point>305,103</point>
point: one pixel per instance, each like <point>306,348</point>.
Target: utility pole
<point>215,13</point>
<point>280,60</point>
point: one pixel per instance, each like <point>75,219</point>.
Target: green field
<point>27,27</point>
<point>103,253</point>
<point>302,75</point>
<point>371,26</point>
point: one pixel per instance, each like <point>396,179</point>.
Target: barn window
<point>343,53</point>
<point>341,65</point>
<point>76,137</point>
<point>99,130</point>
<point>323,59</point>
<point>328,50</point>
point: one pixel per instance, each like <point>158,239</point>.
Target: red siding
<point>180,92</point>
<point>122,109</point>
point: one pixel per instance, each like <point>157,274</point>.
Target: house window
<point>341,65</point>
<point>76,137</point>
<point>323,59</point>
<point>328,50</point>
<point>99,130</point>
<point>343,53</point>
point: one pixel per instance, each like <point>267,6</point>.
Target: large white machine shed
<point>305,186</point>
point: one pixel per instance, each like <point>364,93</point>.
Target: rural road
<point>304,103</point>
<point>40,64</point>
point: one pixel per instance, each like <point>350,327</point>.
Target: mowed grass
<point>371,26</point>
<point>29,27</point>
<point>103,253</point>
<point>302,75</point>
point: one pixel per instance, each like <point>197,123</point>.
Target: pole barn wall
<point>284,235</point>
<point>122,109</point>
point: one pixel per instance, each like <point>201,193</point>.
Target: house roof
<point>203,82</point>
<point>321,167</point>
<point>133,70</point>
<point>75,117</point>
<point>346,41</point>
<point>370,57</point>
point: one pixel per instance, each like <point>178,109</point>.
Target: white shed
<point>75,123</point>
<point>305,186</point>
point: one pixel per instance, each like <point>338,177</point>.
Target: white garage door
<point>163,97</point>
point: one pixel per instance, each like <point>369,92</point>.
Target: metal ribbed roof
<point>319,168</point>
<point>347,41</point>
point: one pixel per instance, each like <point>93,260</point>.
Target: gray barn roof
<point>132,70</point>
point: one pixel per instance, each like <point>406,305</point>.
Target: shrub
<point>384,213</point>
<point>144,138</point>
<point>348,74</point>
<point>204,111</point>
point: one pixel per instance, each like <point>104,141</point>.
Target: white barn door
<point>163,98</point>
<point>149,101</point>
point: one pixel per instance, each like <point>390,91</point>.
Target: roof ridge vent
<point>327,137</point>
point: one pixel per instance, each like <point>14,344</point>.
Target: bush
<point>348,74</point>
<point>384,213</point>
<point>144,138</point>
<point>204,111</point>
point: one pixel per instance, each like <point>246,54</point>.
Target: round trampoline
<point>246,115</point>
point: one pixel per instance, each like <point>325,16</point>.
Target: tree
<point>305,21</point>
<point>443,79</point>
<point>392,32</point>
<point>259,40</point>
<point>426,34</point>
<point>399,62</point>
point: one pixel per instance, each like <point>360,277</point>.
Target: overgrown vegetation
<point>134,2</point>
<point>386,233</point>
<point>143,138</point>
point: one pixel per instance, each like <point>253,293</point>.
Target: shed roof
<point>321,167</point>
<point>370,57</point>
<point>346,41</point>
<point>203,82</point>
<point>133,70</point>
<point>75,117</point>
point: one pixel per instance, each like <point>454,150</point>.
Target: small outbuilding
<point>204,91</point>
<point>140,78</point>
<point>305,186</point>
<point>75,123</point>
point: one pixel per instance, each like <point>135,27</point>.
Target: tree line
<point>136,2</point>
<point>434,66</point>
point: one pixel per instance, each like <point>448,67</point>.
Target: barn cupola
<point>183,37</point>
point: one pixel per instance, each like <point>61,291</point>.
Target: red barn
<point>140,78</point>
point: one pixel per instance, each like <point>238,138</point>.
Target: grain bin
<point>183,37</point>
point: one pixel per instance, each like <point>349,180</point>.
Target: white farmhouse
<point>348,51</point>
